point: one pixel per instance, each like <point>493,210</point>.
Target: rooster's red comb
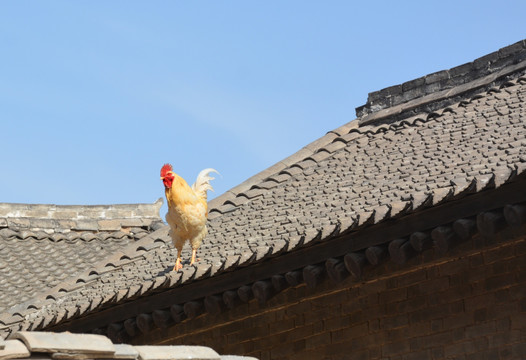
<point>165,169</point>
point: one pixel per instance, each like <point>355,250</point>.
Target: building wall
<point>468,305</point>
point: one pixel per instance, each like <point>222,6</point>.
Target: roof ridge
<point>36,210</point>
<point>436,87</point>
<point>63,218</point>
<point>373,127</point>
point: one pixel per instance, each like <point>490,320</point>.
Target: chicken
<point>187,210</point>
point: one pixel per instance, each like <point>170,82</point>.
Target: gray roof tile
<point>89,344</point>
<point>65,345</point>
<point>176,353</point>
<point>14,349</point>
<point>124,351</point>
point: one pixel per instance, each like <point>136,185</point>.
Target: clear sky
<point>95,96</point>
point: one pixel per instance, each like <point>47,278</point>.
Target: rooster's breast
<point>189,219</point>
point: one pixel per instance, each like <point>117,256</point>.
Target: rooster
<point>187,209</point>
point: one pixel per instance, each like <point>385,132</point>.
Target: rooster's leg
<point>178,265</point>
<point>194,252</point>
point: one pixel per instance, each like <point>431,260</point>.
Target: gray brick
<point>43,224</point>
<point>124,351</point>
<point>413,84</point>
<point>12,209</point>
<point>436,77</point>
<point>64,214</point>
<point>461,70</point>
<point>109,225</point>
<point>66,224</point>
<point>90,225</point>
<point>136,222</point>
<point>511,49</point>
<point>484,61</point>
<point>18,223</point>
<point>390,91</point>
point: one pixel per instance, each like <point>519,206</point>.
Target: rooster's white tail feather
<point>202,184</point>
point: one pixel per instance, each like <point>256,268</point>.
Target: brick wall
<point>469,305</point>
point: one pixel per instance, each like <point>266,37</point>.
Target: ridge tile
<point>176,352</point>
<point>49,342</point>
<point>14,349</point>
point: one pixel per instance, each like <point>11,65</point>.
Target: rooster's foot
<point>178,266</point>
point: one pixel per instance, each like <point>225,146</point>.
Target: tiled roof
<point>343,184</point>
<point>46,345</point>
<point>42,245</point>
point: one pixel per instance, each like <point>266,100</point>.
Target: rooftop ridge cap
<point>504,62</point>
<point>374,123</point>
<point>56,345</point>
<point>71,212</point>
<point>444,98</point>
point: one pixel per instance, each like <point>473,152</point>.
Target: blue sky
<point>95,96</point>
